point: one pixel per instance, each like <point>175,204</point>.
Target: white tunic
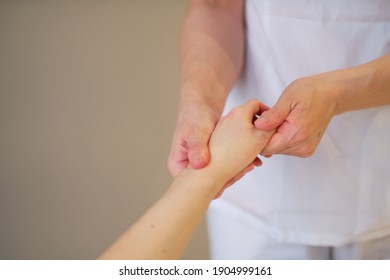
<point>342,193</point>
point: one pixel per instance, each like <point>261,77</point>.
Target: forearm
<point>165,229</point>
<point>361,87</point>
<point>211,51</point>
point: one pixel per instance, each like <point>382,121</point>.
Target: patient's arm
<point>165,229</point>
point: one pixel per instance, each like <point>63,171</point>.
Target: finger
<point>247,169</point>
<point>302,150</point>
<point>253,107</point>
<point>198,151</point>
<point>257,162</point>
<point>177,160</point>
<point>242,173</point>
<point>275,116</point>
<point>263,137</point>
<point>287,136</point>
<point>276,144</point>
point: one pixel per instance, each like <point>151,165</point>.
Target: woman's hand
<point>191,142</point>
<point>236,142</point>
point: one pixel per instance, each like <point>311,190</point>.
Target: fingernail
<point>263,119</point>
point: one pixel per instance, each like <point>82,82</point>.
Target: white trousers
<point>232,237</point>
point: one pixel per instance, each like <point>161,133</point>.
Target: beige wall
<point>88,95</point>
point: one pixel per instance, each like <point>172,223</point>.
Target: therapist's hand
<point>301,116</point>
<point>195,124</point>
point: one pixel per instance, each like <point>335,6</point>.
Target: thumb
<point>273,117</point>
<point>198,153</point>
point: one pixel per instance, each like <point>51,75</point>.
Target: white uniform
<point>340,195</point>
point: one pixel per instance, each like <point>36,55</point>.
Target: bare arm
<point>361,87</point>
<point>164,231</point>
<point>211,51</point>
<point>211,55</point>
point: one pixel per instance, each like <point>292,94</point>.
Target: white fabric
<point>251,245</point>
<point>342,193</point>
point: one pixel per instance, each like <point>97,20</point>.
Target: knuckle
<point>235,111</point>
<point>267,151</point>
<point>253,102</point>
<point>306,151</point>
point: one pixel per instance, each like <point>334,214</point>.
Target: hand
<point>301,116</point>
<point>235,142</point>
<point>195,124</point>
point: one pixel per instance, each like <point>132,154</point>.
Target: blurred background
<point>88,96</point>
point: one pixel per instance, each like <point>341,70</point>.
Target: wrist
<point>198,108</point>
<point>354,88</point>
<point>332,88</point>
<point>198,93</point>
<point>207,180</point>
<point>346,86</point>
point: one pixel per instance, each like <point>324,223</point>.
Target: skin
<point>209,154</point>
<point>212,51</point>
<point>211,54</point>
<point>306,107</point>
<point>165,229</point>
